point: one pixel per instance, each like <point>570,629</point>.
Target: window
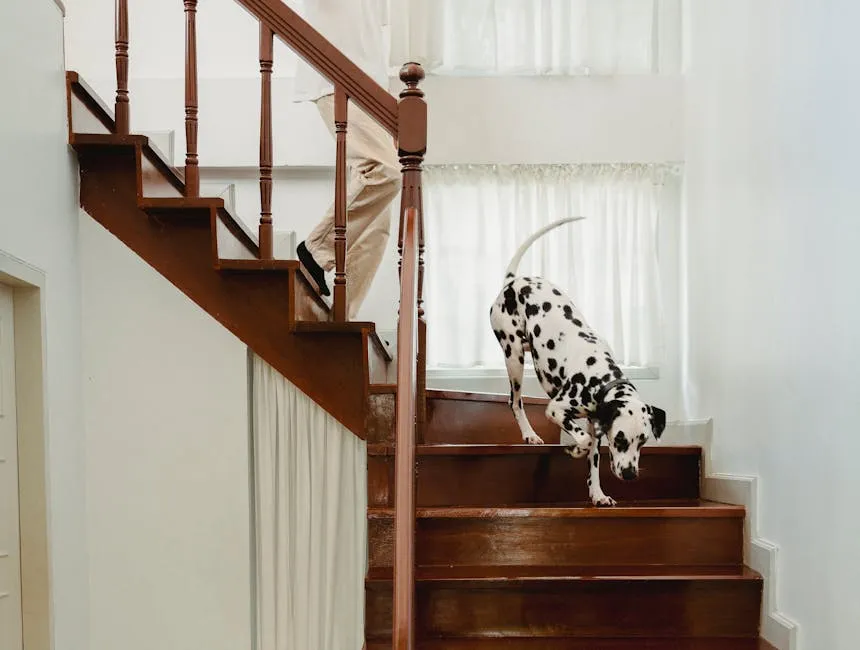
<point>538,37</point>
<point>475,218</point>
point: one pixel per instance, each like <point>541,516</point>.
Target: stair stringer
<point>329,367</point>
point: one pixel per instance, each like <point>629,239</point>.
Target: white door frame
<point>28,283</point>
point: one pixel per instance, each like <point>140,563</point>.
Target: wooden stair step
<point>519,574</point>
<point>518,474</point>
<point>462,603</point>
<point>351,327</point>
<point>583,644</point>
<point>652,533</point>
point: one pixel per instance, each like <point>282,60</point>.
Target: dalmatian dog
<point>575,367</point>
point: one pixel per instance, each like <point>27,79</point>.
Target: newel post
<point>411,147</point>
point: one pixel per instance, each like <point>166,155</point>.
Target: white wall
<point>167,425</point>
<point>773,242</point>
<point>38,224</point>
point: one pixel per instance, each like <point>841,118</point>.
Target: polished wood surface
<point>687,534</point>
<point>411,148</point>
<point>510,475</point>
<point>467,418</point>
<point>584,644</point>
<point>340,174</point>
<point>267,39</point>
<point>121,108</point>
<point>568,606</point>
<point>403,606</point>
<point>192,168</point>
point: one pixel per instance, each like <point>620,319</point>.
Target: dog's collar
<point>604,391</point>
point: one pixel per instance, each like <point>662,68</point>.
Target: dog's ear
<point>658,421</point>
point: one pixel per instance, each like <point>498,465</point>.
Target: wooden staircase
<point>129,187</point>
<point>486,543</point>
<point>510,555</point>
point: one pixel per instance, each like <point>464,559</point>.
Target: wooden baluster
<point>411,147</point>
<point>192,171</point>
<point>121,107</point>
<point>267,38</point>
<point>340,293</point>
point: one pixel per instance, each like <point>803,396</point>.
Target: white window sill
<point>495,380</point>
<point>632,372</point>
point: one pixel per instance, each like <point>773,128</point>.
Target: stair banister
<point>404,490</point>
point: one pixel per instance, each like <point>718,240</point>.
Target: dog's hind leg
<point>512,346</point>
<point>514,364</point>
<point>595,492</point>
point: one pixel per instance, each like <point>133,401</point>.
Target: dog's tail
<point>515,261</point>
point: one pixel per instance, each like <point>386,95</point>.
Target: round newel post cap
<point>411,74</point>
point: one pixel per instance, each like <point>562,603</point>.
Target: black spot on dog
<point>526,291</point>
<point>520,334</point>
<point>556,292</point>
<point>591,361</point>
<point>620,442</point>
<point>510,304</point>
<point>577,322</point>
<point>516,386</point>
<point>596,459</point>
<point>508,350</point>
<point>511,338</point>
<point>532,310</point>
<point>537,330</point>
<point>552,363</point>
<point>547,306</point>
<point>521,359</point>
<point>568,312</point>
<point>562,372</point>
<point>550,344</point>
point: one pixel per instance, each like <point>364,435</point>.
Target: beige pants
<point>374,180</point>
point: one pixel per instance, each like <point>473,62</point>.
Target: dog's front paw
<point>576,452</point>
<point>603,501</point>
<point>533,439</point>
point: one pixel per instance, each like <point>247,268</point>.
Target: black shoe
<point>313,268</point>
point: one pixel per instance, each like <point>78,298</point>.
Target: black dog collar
<point>604,391</point>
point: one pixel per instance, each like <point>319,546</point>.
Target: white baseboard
<point>759,553</point>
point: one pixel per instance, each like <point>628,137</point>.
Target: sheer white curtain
<point>310,497</point>
<point>477,216</point>
<point>537,37</point>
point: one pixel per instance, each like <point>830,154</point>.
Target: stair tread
<point>517,449</point>
<point>257,265</point>
<point>523,573</point>
<point>698,508</point>
<point>583,644</point>
<point>180,202</point>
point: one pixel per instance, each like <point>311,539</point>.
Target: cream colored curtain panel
<point>310,504</point>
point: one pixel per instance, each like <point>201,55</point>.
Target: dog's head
<point>628,424</point>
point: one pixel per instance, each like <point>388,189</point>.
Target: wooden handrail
<point>404,463</point>
<point>330,62</point>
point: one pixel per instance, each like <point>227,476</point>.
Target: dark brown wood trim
<point>404,462</point>
<point>481,397</point>
<point>645,510</point>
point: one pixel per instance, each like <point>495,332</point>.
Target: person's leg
<point>374,181</point>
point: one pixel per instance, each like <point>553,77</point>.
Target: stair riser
<point>656,608</point>
<point>452,421</point>
<point>566,542</point>
<point>592,643</point>
<point>527,479</point>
